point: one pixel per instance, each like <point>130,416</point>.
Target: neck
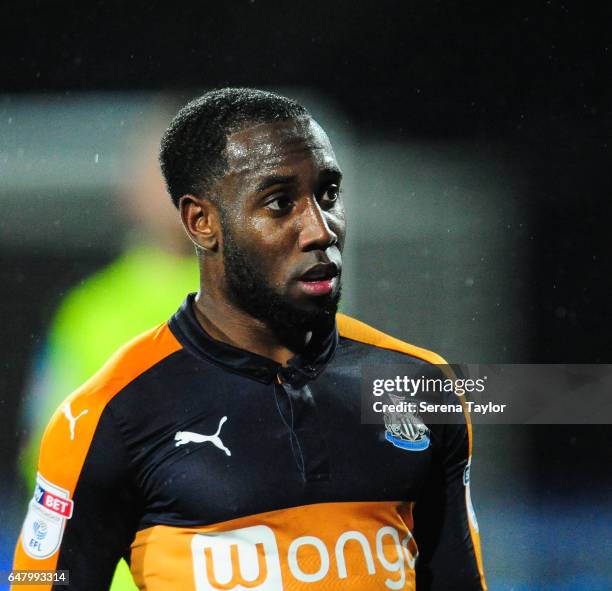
<point>224,322</point>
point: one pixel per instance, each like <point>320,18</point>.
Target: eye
<point>279,203</point>
<point>330,195</point>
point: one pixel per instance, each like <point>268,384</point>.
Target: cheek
<point>265,239</point>
<point>272,247</point>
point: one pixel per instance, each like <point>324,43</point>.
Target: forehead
<point>257,149</point>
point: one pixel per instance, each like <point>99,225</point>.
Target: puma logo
<point>183,437</point>
<point>72,420</point>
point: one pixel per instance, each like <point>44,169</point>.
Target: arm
<point>446,530</point>
<point>81,516</point>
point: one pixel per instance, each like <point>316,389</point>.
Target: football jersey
<point>209,467</point>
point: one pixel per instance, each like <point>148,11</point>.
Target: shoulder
<point>355,330</point>
<point>126,364</point>
<point>72,427</point>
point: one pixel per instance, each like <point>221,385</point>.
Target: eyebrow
<point>276,179</point>
<point>331,173</point>
<point>270,181</point>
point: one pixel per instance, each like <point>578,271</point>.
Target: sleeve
<point>56,370</point>
<point>67,359</point>
<point>81,517</point>
<point>446,530</point>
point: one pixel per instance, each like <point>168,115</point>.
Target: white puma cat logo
<point>72,420</point>
<point>183,437</point>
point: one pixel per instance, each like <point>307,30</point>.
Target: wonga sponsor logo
<point>249,559</point>
<point>244,558</point>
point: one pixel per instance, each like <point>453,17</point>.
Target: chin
<point>317,310</point>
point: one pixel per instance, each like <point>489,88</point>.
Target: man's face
<point>283,224</point>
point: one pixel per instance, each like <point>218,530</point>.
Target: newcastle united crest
<point>405,430</point>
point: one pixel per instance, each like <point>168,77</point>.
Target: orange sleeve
<point>65,448</point>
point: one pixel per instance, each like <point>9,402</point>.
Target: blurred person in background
<point>140,288</point>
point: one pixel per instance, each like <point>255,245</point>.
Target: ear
<point>200,216</point>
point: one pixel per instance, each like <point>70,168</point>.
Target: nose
<point>315,231</point>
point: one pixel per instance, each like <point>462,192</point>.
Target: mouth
<point>320,279</point>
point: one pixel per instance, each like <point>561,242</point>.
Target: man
<point>224,449</point>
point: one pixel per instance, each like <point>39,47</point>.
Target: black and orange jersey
<point>208,467</point>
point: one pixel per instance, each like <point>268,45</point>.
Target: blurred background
<point>475,142</point>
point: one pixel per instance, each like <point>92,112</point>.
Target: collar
<point>299,370</point>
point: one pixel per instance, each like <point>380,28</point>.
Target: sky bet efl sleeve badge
<point>44,524</point>
<point>405,430</point>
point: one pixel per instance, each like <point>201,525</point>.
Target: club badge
<point>405,430</point>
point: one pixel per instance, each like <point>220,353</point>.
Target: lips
<point>320,279</point>
<point>320,272</point>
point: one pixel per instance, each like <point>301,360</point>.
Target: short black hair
<point>192,148</point>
